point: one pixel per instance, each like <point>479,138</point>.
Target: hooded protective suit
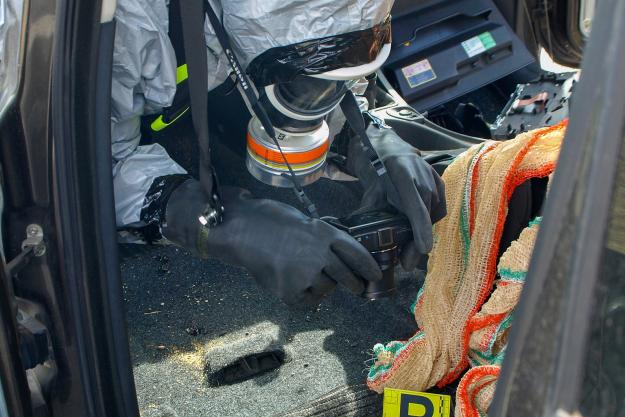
<point>262,32</point>
<point>10,28</point>
<point>301,56</point>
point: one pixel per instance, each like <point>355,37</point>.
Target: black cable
<point>235,84</point>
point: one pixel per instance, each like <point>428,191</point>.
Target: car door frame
<point>543,370</point>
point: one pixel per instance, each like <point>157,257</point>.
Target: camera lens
<point>383,288</point>
<point>386,259</point>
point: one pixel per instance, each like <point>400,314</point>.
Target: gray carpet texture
<point>181,310</point>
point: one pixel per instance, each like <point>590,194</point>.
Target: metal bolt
<point>34,239</point>
<point>33,230</point>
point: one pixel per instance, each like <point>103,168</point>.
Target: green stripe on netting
<point>465,209</point>
<point>491,359</point>
<point>395,348</point>
<point>413,306</point>
<point>417,336</point>
<point>505,323</point>
<point>508,274</point>
<point>378,369</point>
<point>464,234</point>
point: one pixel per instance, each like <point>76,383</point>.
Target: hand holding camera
<point>383,234</point>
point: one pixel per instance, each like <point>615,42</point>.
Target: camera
<point>383,234</point>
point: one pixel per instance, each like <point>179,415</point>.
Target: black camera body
<point>383,234</point>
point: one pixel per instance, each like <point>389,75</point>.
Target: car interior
<point>203,339</point>
<point>195,326</point>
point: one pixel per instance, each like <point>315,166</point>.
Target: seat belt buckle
<point>379,167</point>
<point>212,215</point>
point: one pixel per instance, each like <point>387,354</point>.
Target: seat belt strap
<point>192,15</point>
<point>356,122</point>
<point>192,19</point>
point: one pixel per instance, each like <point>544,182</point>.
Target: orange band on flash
<point>291,157</point>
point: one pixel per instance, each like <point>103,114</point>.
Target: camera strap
<point>248,93</point>
<point>356,122</point>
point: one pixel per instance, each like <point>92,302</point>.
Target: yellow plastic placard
<point>402,403</point>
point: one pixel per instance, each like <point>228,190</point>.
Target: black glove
<point>297,258</point>
<point>413,187</point>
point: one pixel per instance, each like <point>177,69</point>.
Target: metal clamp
<point>377,121</point>
<point>34,240</point>
<point>379,167</point>
<point>212,214</point>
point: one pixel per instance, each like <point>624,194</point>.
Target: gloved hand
<point>297,258</point>
<point>413,187</point>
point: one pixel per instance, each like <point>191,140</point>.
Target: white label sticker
<point>419,73</point>
<point>473,46</point>
<point>478,44</point>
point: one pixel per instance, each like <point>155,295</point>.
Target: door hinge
<point>32,246</point>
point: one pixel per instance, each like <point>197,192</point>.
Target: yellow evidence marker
<point>402,403</point>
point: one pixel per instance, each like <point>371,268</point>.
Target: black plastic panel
<point>544,102</point>
<point>451,47</point>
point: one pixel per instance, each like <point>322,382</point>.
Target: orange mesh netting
<point>487,345</point>
<point>456,327</point>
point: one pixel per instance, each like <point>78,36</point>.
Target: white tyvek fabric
<point>133,176</point>
<point>217,63</point>
<point>144,80</point>
<point>144,69</point>
<point>144,60</point>
<point>255,26</point>
<point>10,29</point>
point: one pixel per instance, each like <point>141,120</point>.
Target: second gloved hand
<point>297,258</point>
<point>415,189</point>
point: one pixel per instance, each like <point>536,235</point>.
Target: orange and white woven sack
<point>450,309</point>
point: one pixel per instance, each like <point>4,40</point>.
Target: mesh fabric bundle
<point>487,345</point>
<point>462,269</point>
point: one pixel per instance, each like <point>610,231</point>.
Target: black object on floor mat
<point>347,401</point>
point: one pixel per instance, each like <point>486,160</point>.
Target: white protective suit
<point>144,70</point>
<point>10,28</point>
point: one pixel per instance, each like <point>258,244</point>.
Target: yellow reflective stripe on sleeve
<point>181,73</point>
<point>158,124</point>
